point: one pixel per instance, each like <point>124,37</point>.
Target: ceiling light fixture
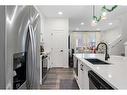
<point>110,23</point>
<point>82,23</point>
<point>104,13</point>
<point>60,13</point>
<point>94,22</point>
<point>77,29</point>
<point>104,17</point>
<point>98,29</point>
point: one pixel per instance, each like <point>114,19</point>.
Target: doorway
<point>59,48</point>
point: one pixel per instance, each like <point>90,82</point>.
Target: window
<point>85,40</point>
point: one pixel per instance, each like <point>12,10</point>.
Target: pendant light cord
<point>93,11</point>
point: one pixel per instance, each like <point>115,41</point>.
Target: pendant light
<point>94,22</point>
<point>104,14</point>
<point>104,11</point>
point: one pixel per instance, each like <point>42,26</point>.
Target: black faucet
<point>106,53</point>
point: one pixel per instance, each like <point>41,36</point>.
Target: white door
<point>59,47</point>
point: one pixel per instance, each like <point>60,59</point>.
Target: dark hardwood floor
<point>60,78</point>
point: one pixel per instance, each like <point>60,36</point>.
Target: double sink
<point>96,61</point>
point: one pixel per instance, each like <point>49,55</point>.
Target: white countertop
<point>114,74</point>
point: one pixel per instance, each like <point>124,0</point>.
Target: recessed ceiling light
<point>110,23</point>
<point>82,23</point>
<point>77,28</point>
<point>104,13</point>
<point>60,13</point>
<point>104,17</point>
<point>109,75</point>
<point>93,23</point>
<point>98,29</point>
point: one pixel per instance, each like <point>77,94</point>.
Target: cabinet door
<point>74,60</point>
<point>79,74</point>
<point>82,73</point>
<point>85,79</point>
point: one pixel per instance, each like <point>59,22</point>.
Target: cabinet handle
<point>61,50</point>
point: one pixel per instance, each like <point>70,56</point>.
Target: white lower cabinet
<point>74,61</point>
<point>79,74</point>
<point>83,80</point>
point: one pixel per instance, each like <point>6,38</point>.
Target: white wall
<point>113,37</point>
<point>112,34</point>
<point>124,30</point>
<point>43,18</point>
<point>115,34</point>
<point>47,35</point>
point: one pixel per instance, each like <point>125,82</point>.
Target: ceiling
<point>78,14</point>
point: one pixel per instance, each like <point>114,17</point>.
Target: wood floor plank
<point>59,78</point>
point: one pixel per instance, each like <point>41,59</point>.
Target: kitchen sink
<point>97,61</point>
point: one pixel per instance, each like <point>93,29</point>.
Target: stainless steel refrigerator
<point>22,39</point>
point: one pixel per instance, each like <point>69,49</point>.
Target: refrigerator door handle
<point>31,65</point>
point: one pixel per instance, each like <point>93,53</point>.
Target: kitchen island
<point>114,73</point>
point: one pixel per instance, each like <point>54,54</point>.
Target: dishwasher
<point>95,82</point>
